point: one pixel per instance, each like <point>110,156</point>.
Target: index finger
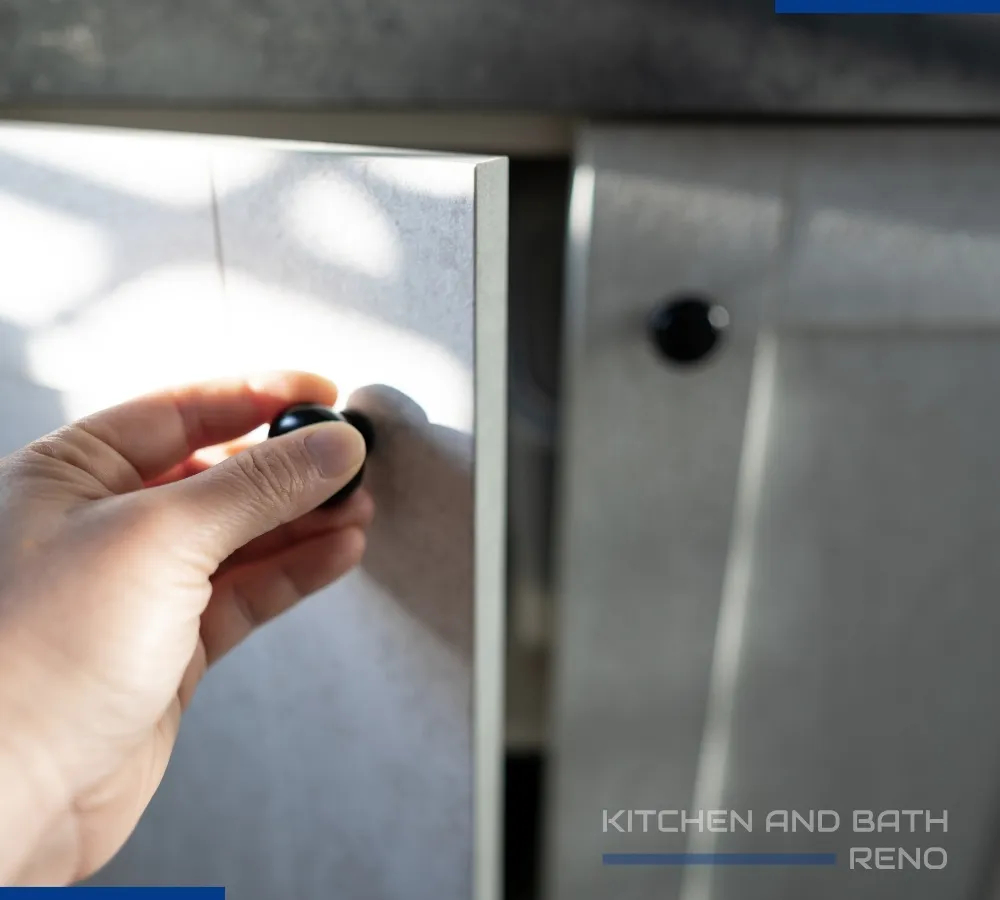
<point>155,432</point>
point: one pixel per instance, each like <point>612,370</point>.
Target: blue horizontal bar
<point>114,893</point>
<point>886,7</point>
<point>720,859</point>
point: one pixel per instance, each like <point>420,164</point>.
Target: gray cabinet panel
<point>833,645</point>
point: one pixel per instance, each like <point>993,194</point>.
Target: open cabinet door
<point>352,748</point>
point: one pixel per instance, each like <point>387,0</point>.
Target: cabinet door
<point>339,749</point>
<point>778,570</point>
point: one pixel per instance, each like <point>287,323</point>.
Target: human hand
<point>129,565</point>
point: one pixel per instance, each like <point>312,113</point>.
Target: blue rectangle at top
<point>114,893</point>
<point>886,7</point>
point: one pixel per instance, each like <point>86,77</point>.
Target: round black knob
<point>304,414</point>
<point>687,329</point>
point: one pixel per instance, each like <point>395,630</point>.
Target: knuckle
<point>273,476</point>
<point>59,446</point>
<point>43,457</point>
<point>69,445</point>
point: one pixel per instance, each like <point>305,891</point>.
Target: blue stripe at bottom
<point>719,859</point>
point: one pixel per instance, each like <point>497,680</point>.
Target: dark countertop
<point>594,57</point>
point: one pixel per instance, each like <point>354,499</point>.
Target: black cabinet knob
<point>304,414</point>
<point>688,328</point>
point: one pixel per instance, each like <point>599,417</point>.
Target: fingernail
<point>337,448</point>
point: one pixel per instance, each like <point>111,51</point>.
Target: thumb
<point>274,482</point>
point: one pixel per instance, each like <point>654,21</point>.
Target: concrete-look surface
<point>592,57</point>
